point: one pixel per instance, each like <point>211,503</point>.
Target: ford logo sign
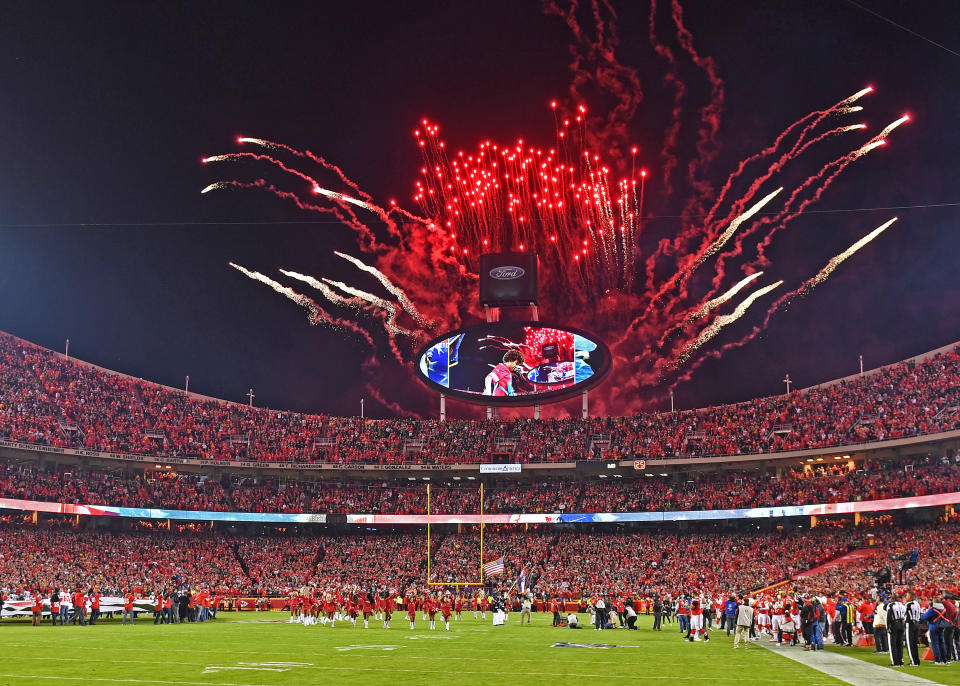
<point>506,273</point>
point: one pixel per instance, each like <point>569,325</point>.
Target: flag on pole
<point>494,567</point>
<point>522,580</point>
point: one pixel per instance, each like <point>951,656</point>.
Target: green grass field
<point>252,648</point>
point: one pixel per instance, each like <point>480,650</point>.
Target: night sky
<point>108,108</point>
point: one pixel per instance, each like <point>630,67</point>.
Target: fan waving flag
<point>494,567</point>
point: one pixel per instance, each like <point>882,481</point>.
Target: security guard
<point>913,628</point>
<point>896,629</point>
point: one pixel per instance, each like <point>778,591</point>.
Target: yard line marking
<point>121,681</point>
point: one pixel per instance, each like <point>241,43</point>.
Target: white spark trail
<point>837,260</point>
<point>711,305</point>
<point>385,305</point>
<point>734,225</point>
<point>317,314</point>
<point>327,292</point>
<point>725,320</point>
<point>394,290</point>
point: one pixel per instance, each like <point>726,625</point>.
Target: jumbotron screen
<point>519,363</point>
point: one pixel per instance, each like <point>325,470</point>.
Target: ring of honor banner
<point>821,509</point>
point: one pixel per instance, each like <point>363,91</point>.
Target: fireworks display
<point>658,298</point>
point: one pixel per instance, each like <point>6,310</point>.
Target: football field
<point>261,648</point>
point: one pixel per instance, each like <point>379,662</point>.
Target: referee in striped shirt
<point>896,625</point>
<point>913,628</point>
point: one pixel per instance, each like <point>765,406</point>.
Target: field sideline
<point>251,648</point>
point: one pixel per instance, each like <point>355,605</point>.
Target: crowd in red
<point>373,560</point>
<point>939,548</point>
<point>833,483</point>
<point>39,556</point>
<point>456,558</point>
<point>47,399</point>
<point>836,483</point>
<point>85,487</point>
<point>558,563</point>
<point>653,564</point>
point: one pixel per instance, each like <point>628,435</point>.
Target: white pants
<point>696,623</point>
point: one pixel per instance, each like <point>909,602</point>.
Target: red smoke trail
<point>594,63</point>
<point>329,166</point>
<point>671,79</point>
<point>801,291</point>
<point>782,221</point>
<point>315,158</point>
<point>737,250</point>
<point>707,149</point>
<point>261,184</point>
<point>353,221</point>
<point>710,115</point>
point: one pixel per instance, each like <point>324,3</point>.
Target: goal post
<point>430,554</point>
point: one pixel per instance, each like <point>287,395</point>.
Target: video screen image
<point>509,360</point>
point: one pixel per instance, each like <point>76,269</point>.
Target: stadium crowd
<point>833,483</point>
<point>48,399</point>
<point>562,563</point>
<point>838,483</point>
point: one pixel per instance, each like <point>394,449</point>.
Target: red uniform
<point>503,378</point>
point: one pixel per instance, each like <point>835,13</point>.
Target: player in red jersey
<point>499,382</point>
<point>696,621</point>
<point>763,615</point>
<point>157,607</point>
<point>776,618</point>
<point>37,607</point>
<point>127,608</point>
<point>95,596</point>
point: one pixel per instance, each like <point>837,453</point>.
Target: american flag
<point>494,567</point>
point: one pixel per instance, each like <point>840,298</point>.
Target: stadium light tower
<point>251,395</point>
<point>66,349</point>
<point>787,381</point>
<point>186,384</point>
